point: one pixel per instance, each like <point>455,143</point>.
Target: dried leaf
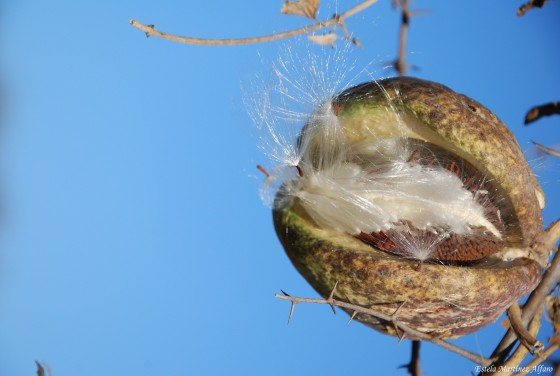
<point>324,40</point>
<point>304,8</point>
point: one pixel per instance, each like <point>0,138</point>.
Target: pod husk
<point>442,300</point>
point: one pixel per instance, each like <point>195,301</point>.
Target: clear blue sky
<point>133,240</point>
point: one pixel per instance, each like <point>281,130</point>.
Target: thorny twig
<point>400,64</point>
<point>413,367</point>
<point>530,5</point>
<point>518,318</point>
<point>336,20</point>
<point>389,318</point>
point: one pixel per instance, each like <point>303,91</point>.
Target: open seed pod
<point>410,195</point>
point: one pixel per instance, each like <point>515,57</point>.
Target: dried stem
<point>390,318</point>
<point>400,64</point>
<point>336,20</point>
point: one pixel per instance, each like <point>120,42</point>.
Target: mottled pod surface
<point>442,300</point>
<point>472,255</point>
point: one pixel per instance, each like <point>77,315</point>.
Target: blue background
<point>133,240</point>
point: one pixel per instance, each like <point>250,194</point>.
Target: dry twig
<point>335,21</point>
<point>389,318</point>
<point>400,64</point>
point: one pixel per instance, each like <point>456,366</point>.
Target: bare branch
<point>400,64</point>
<point>530,5</point>
<point>150,30</point>
<point>390,318</point>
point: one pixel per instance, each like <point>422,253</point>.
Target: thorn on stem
<point>400,335</point>
<point>330,299</point>
<point>151,31</point>
<point>398,309</point>
<point>291,311</point>
<point>352,317</point>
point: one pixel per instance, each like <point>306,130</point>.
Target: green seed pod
<point>409,194</point>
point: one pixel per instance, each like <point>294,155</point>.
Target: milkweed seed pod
<point>409,194</point>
